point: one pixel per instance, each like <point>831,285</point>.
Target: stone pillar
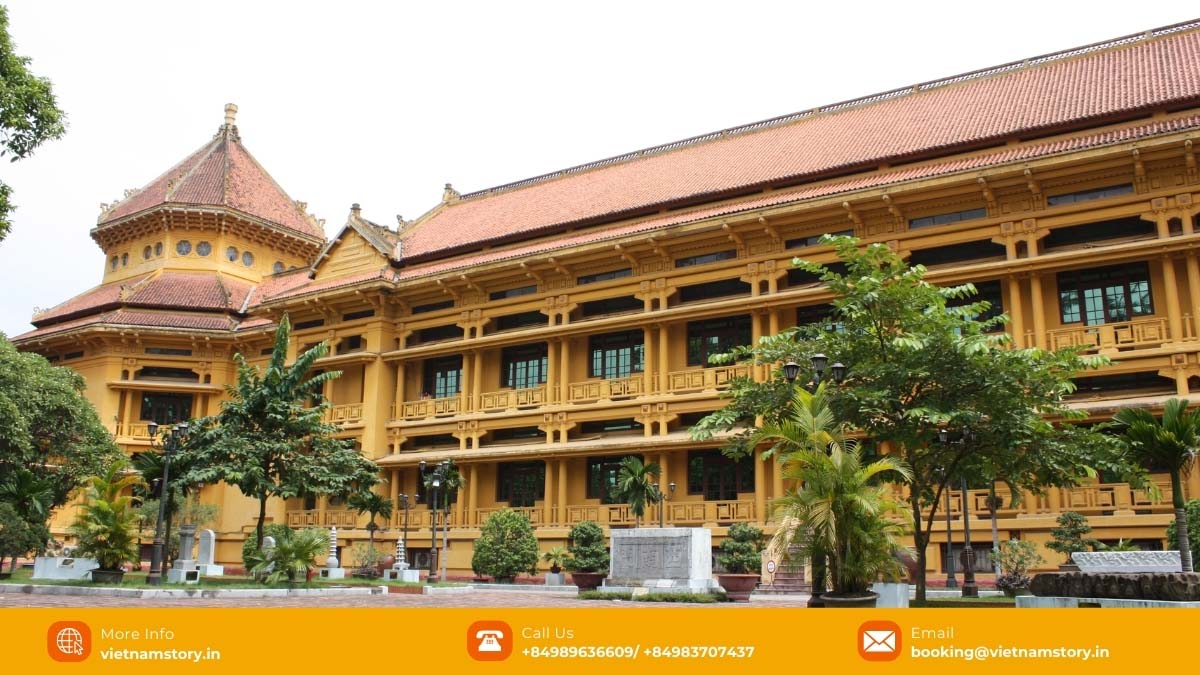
<point>548,492</point>
<point>1016,311</point>
<point>760,487</point>
<point>1174,310</point>
<point>1039,311</point>
<point>562,492</point>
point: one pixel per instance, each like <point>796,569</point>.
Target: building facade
<point>535,333</point>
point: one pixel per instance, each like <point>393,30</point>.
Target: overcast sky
<point>384,103</point>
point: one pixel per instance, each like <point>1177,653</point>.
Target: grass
<point>690,598</point>
<point>24,575</point>
<point>990,601</point>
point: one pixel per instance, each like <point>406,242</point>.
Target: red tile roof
<point>221,173</point>
<point>134,318</point>
<point>180,290</point>
<point>1066,90</point>
<point>101,296</point>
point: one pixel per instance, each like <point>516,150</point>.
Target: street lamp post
<point>404,536</point>
<point>969,588</point>
<point>445,471</point>
<point>791,370</point>
<point>662,503</point>
<point>170,444</point>
<point>951,582</point>
<point>437,476</point>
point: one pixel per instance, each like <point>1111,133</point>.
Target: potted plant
<point>588,561</point>
<point>1015,558</point>
<point>292,555</point>
<point>1070,537</point>
<point>741,556</point>
<point>106,529</point>
<point>841,509</point>
<point>555,556</point>
<point>506,547</point>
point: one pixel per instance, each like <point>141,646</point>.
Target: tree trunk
<point>920,545</point>
<point>262,516</point>
<point>167,539</point>
<point>1181,523</point>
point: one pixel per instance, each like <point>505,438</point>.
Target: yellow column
<point>1193,274</point>
<point>464,383</point>
<point>394,491</point>
<point>1191,487</point>
<point>648,364</point>
<point>477,382</point>
<point>548,493</point>
<point>564,374</point>
<point>664,351</point>
<point>472,494</point>
<point>459,505</point>
<point>562,492</point>
<point>376,407</point>
<point>551,370</point>
<point>776,479</point>
<point>127,415</point>
<point>1016,311</point>
<point>398,410</point>
<point>1039,311</point>
<point>760,488</point>
<point>773,316</point>
<point>1174,311</point>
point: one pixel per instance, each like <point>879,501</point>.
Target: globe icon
<point>69,641</point>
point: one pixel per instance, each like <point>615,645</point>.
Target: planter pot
<point>891,594</point>
<point>1014,592</point>
<point>865,600</point>
<point>107,576</point>
<point>738,586</point>
<point>588,581</point>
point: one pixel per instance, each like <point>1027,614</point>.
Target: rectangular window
<point>1089,195</point>
<point>621,305</point>
<point>713,289</point>
<point>717,477</point>
<point>602,475</point>
<point>76,355</point>
<point>988,290</point>
<point>946,218</point>
<point>437,334</point>
<point>520,483</point>
<point>523,367</point>
<point>443,377</point>
<point>364,314</point>
<point>168,351</point>
<point>603,276</point>
<point>353,343</point>
<point>521,320</point>
<point>715,336</point>
<point>513,292</point>
<point>610,426</point>
<point>315,323</point>
<point>166,408</point>
<point>820,315</point>
<point>705,258</point>
<point>432,307</point>
<point>616,355</point>
<point>157,373</point>
<point>1105,294</point>
<point>804,242</point>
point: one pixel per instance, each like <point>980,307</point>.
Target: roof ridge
<point>990,71</point>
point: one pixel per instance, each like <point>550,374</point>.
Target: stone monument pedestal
<point>662,559</point>
<point>61,567</point>
<point>184,574</point>
<point>405,575</point>
<point>208,543</point>
<point>333,572</point>
<point>553,579</point>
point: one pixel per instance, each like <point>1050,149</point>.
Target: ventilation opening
<point>714,289</point>
<point>1103,386</point>
<point>1108,231</point>
<point>976,251</point>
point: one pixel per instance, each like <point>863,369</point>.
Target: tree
<point>29,495</point>
<point>1168,443</point>
<point>106,529</point>
<point>741,551</point>
<point>269,443</point>
<point>922,358</point>
<point>50,434</point>
<point>29,115</point>
<point>373,503</point>
<point>585,544</point>
<point>637,485</point>
<point>1071,534</point>
<point>1193,526</point>
<point>506,546</point>
<point>18,536</point>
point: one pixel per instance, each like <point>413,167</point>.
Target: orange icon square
<point>69,641</point>
<point>489,640</point>
<point>879,641</point>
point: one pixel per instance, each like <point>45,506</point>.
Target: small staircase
<point>789,578</point>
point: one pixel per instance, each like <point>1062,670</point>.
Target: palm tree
<point>1169,443</point>
<point>637,485</point>
<point>29,496</point>
<point>841,508</point>
<point>106,525</point>
<point>373,503</point>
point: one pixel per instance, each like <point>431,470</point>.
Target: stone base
<point>176,575</point>
<point>211,570</point>
<point>333,573</point>
<point>891,595</point>
<point>1058,601</point>
<point>46,567</point>
<point>709,585</point>
<point>666,558</point>
<point>407,576</point>
<point>553,579</point>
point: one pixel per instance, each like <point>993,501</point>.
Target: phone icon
<point>489,640</point>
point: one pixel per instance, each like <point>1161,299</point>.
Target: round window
<point>248,259</point>
<point>204,248</point>
<point>277,267</point>
<point>184,247</point>
<point>231,253</point>
<point>124,259</point>
<point>147,252</point>
<point>158,248</point>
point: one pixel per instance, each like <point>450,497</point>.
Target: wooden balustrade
<point>606,390</point>
<point>1095,499</point>
<point>349,413</point>
<point>704,379</point>
<point>532,513</point>
<point>512,399</point>
<point>135,430</point>
<point>1124,335</point>
<point>724,512</point>
<point>431,407</point>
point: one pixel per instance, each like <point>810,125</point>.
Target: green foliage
<point>250,546</point>
<point>689,598</point>
<point>106,528</point>
<point>372,503</point>
<point>585,544</point>
<point>1070,535</point>
<point>555,556</point>
<point>452,481</point>
<point>269,443</point>
<point>1121,545</point>
<point>637,485</point>
<point>50,435</point>
<point>28,494</point>
<point>18,536</point>
<point>364,557</point>
<point>916,365</point>
<point>1169,443</point>
<point>1015,558</point>
<point>741,551</point>
<point>506,546</point>
<point>1192,508</point>
<point>293,555</point>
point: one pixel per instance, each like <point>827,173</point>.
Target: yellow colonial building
<point>539,331</point>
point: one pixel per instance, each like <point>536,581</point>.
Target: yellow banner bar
<point>628,639</point>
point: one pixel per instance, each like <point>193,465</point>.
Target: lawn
<point>138,580</point>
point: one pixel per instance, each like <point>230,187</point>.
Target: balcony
<point>606,390</point>
<point>340,518</point>
<point>511,399</point>
<point>428,407</point>
<point>704,379</point>
<point>1112,337</point>
<point>1097,499</point>
<point>350,413</point>
<point>138,431</point>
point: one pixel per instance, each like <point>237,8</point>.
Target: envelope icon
<point>879,641</point>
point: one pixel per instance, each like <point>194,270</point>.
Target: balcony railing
<point>430,407</point>
<point>136,430</point>
<point>726,512</point>
<point>350,413</point>
<point>1124,335</point>
<point>512,399</point>
<point>606,390</point>
<point>340,518</point>
<point>1093,500</point>
<point>704,379</point>
<point>532,513</point>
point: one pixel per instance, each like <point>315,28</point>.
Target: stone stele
<point>667,558</point>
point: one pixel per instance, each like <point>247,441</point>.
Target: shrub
<point>506,546</point>
<point>106,529</point>
<point>269,530</point>
<point>1015,559</point>
<point>1192,508</point>
<point>585,543</point>
<point>19,536</point>
<point>293,554</point>
<point>1069,536</point>
<point>741,552</point>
